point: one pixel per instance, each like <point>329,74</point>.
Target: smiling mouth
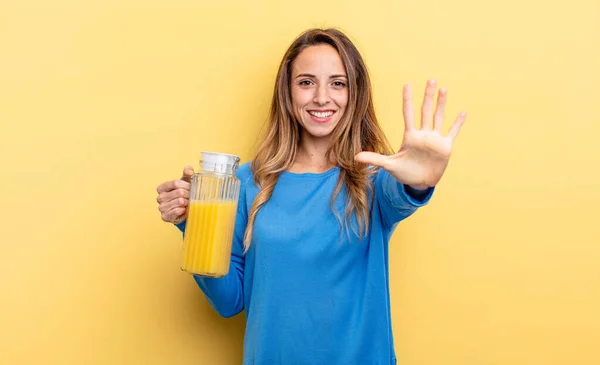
<point>319,116</point>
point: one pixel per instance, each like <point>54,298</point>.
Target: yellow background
<point>100,101</point>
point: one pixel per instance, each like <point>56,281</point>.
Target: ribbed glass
<point>210,223</point>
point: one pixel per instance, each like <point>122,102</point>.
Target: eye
<point>305,83</point>
<point>339,84</point>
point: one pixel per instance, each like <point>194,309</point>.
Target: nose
<point>321,95</point>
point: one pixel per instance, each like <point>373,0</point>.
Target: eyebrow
<point>331,77</point>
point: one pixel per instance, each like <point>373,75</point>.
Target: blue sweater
<point>312,295</point>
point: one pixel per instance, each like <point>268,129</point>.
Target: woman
<point>317,207</point>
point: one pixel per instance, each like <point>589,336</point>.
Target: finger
<point>188,172</point>
<point>407,108</point>
<point>438,118</point>
<point>427,107</point>
<point>460,120</point>
<point>172,185</point>
<point>171,204</point>
<point>371,158</point>
<point>172,214</point>
<point>173,194</point>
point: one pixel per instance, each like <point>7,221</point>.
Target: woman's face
<point>319,88</point>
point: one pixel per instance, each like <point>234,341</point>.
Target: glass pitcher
<point>208,235</point>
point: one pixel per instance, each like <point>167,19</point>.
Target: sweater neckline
<point>311,175</point>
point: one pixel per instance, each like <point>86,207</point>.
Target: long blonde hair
<point>357,131</point>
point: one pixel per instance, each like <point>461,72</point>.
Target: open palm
<point>425,152</point>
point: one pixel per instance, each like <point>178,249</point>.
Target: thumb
<point>371,158</point>
<point>188,171</point>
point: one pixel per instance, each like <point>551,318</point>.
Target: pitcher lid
<point>219,162</point>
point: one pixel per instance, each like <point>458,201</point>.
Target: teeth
<point>321,114</point>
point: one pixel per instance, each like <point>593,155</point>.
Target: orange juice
<point>208,237</point>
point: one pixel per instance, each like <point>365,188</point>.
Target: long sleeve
<point>226,294</point>
<point>397,201</point>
